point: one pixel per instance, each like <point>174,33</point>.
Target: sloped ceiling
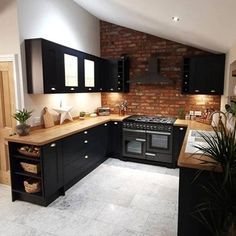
<point>208,24</point>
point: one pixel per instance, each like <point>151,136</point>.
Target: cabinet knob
<point>213,91</point>
<point>105,124</point>
<point>100,89</point>
<point>181,128</point>
<point>111,89</point>
<point>86,156</point>
<point>85,132</point>
<point>53,145</point>
<point>90,89</point>
<point>72,89</point>
<point>196,91</point>
<point>85,141</point>
<point>53,89</point>
<point>115,123</point>
<point>118,88</point>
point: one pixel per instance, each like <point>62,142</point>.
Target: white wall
<point>63,22</point>
<point>10,44</point>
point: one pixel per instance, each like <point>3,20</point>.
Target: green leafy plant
<point>22,116</point>
<point>82,114</point>
<point>218,210</point>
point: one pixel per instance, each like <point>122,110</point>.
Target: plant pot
<point>23,129</point>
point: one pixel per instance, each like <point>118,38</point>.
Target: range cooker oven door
<point>159,142</point>
<point>134,143</point>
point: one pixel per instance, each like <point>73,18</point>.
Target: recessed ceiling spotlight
<point>175,18</point>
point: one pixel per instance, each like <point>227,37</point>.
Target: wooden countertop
<point>192,160</point>
<point>44,136</point>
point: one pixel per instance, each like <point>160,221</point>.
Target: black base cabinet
<point>50,174</point>
<point>179,134</point>
<point>191,193</point>
<point>61,164</point>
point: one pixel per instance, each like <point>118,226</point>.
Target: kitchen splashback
<point>151,99</point>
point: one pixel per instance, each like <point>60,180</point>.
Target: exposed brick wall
<point>151,99</point>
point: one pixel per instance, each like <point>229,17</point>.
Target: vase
<point>23,129</point>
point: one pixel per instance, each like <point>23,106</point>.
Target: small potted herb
<point>22,116</point>
<point>82,115</point>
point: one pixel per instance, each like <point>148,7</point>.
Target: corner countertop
<point>41,137</point>
<point>190,160</point>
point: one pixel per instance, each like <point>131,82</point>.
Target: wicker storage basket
<point>32,168</point>
<point>29,154</point>
<point>32,186</point>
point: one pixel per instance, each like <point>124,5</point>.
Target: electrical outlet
<point>36,120</point>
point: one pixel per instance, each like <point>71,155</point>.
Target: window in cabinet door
<point>89,73</point>
<point>71,70</point>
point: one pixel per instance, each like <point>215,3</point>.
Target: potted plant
<point>218,209</point>
<point>82,115</point>
<point>22,116</point>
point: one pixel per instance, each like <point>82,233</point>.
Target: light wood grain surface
<point>192,160</point>
<point>44,136</point>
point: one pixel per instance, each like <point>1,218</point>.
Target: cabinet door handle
<point>196,91</point>
<point>85,141</point>
<point>115,123</point>
<point>86,156</point>
<point>53,145</point>
<point>89,89</point>
<point>111,89</point>
<point>213,91</point>
<point>100,89</point>
<point>72,89</point>
<point>140,139</point>
<point>105,124</point>
<point>181,128</point>
<point>150,154</point>
<point>85,132</point>
<point>53,89</point>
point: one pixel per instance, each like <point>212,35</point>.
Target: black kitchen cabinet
<point>115,139</point>
<point>203,74</point>
<point>192,193</point>
<point>44,63</point>
<point>50,175</point>
<point>84,151</point>
<point>114,75</point>
<point>178,138</point>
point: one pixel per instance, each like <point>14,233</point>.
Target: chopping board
<point>47,118</point>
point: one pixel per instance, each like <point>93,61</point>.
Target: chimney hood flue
<point>152,76</point>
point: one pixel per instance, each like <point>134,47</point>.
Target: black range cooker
<point>149,138</point>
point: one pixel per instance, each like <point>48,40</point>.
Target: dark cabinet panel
<point>114,75</point>
<point>178,138</point>
<point>203,74</point>
<point>44,63</point>
<point>115,139</point>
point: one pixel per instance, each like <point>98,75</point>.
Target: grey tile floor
<point>118,198</point>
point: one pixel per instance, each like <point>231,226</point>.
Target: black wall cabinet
<point>203,74</point>
<point>45,66</point>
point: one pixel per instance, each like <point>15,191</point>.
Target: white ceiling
<point>206,24</point>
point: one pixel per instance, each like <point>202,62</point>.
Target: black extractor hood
<point>152,76</point>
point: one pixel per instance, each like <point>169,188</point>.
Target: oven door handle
<point>134,130</point>
<point>157,132</point>
<point>140,139</point>
<point>150,154</point>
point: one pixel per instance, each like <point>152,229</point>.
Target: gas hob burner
<point>151,119</point>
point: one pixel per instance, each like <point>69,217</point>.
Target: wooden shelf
<point>28,174</point>
<point>26,158</point>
